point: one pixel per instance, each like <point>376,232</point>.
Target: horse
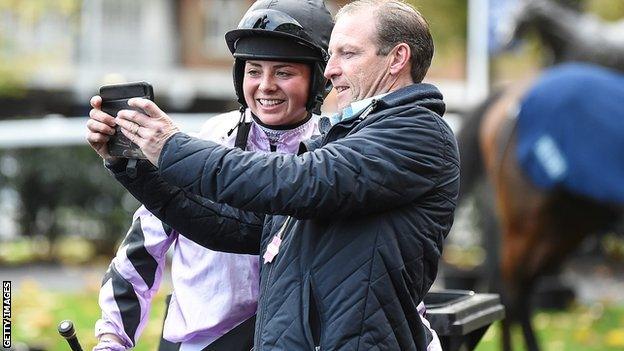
<point>541,222</point>
<point>529,230</point>
<point>567,34</point>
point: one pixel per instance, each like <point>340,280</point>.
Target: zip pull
<point>272,249</point>
<point>368,110</point>
<point>274,246</point>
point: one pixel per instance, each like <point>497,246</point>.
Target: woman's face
<point>277,92</point>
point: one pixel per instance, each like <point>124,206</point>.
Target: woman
<point>279,82</point>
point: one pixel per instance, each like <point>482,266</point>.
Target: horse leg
<point>517,282</point>
<point>494,140</point>
<point>518,204</point>
<point>560,222</point>
<point>506,334</point>
<point>525,322</point>
<point>519,208</point>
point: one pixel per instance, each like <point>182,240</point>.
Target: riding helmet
<point>284,30</point>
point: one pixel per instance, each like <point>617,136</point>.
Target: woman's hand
<point>100,127</point>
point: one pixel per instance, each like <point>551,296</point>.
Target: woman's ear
<point>400,57</point>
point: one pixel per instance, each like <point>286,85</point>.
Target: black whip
<point>67,331</point>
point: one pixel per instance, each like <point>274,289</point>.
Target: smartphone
<point>115,98</point>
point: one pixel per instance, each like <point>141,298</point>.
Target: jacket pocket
<point>311,316</point>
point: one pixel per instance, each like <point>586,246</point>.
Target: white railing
<point>62,131</point>
<point>56,130</point>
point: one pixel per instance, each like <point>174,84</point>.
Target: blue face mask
<point>353,109</point>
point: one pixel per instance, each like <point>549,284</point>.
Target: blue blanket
<point>571,132</point>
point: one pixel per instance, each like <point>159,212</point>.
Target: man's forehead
<point>355,19</point>
<point>352,31</point>
<point>348,44</point>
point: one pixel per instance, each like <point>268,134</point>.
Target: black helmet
<point>284,30</point>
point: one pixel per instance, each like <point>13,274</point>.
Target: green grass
<point>36,313</point>
<point>68,249</point>
<point>582,328</point>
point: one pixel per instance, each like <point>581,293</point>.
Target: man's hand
<point>100,127</point>
<point>149,131</point>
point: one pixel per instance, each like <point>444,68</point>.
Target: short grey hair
<point>398,22</point>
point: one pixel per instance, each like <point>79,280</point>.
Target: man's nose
<point>332,69</point>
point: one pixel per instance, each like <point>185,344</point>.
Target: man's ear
<point>400,59</point>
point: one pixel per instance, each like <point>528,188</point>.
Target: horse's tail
<point>471,165</point>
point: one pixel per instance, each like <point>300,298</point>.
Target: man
<point>355,223</point>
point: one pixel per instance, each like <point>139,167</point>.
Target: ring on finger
<point>136,129</point>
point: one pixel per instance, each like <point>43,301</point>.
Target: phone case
<point>115,98</point>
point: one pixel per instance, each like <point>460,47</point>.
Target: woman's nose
<point>267,83</point>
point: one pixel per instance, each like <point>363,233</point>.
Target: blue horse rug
<point>571,132</point>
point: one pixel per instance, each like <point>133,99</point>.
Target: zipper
<point>280,234</point>
<point>314,316</point>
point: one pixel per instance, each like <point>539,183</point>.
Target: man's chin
<point>342,103</point>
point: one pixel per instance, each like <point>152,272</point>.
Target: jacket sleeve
<point>391,161</point>
<point>212,225</point>
<point>133,278</point>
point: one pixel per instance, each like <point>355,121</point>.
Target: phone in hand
<point>114,99</point>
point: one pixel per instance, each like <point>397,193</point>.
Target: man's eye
<point>348,54</point>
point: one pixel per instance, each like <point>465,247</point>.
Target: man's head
<point>282,31</point>
<point>377,46</point>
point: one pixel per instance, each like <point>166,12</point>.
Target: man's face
<point>277,92</point>
<point>355,69</point>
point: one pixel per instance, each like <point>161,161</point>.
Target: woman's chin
<point>272,119</point>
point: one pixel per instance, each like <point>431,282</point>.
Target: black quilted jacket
<point>362,214</point>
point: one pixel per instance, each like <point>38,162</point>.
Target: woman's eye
<point>253,73</point>
<point>283,74</point>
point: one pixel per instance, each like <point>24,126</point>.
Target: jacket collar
<point>422,94</point>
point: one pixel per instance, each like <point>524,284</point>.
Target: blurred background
<point>62,215</point>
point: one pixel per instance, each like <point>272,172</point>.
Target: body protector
<point>284,30</point>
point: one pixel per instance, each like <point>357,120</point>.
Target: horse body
<point>539,227</point>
